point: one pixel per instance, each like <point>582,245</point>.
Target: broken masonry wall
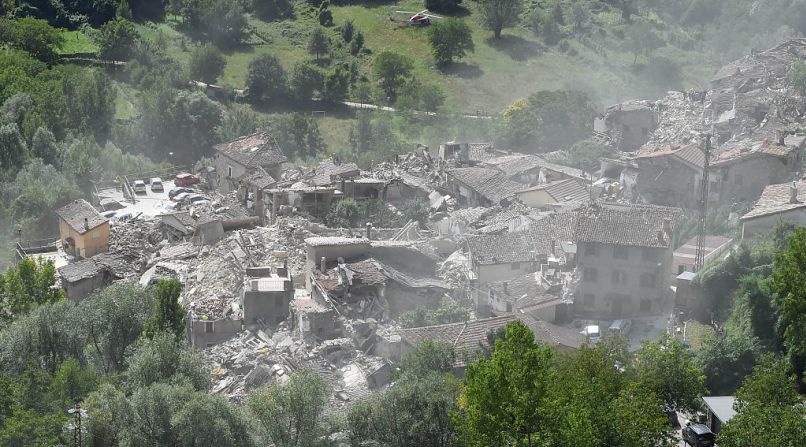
<point>203,334</point>
<point>765,224</point>
<point>269,307</point>
<point>745,180</point>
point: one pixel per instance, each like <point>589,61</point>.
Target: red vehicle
<point>186,179</point>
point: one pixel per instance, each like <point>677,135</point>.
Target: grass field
<point>490,78</point>
<point>77,42</point>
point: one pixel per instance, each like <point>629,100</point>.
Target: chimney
<point>369,231</point>
<point>780,135</point>
<point>282,272</point>
<point>793,192</point>
<point>506,292</point>
<point>667,227</point>
<point>323,264</point>
<point>86,224</point>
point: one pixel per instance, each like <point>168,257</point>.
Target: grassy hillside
<point>490,78</point>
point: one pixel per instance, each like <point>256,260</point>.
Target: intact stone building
<point>624,255</point>
<point>236,160</point>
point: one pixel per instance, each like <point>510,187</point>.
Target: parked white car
<point>156,185</point>
<point>139,187</point>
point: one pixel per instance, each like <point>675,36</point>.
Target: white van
<point>620,327</point>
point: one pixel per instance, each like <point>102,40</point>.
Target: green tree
<point>336,85</point>
<point>306,78</point>
<point>450,39</point>
<point>43,146</point>
<point>272,10</point>
<point>504,397</point>
<point>298,135</point>
<point>580,15</point>
<point>798,77</point>
<point>29,284</point>
<point>185,123</point>
<point>427,358</point>
<point>499,14</point>
<point>163,359</point>
<point>449,311</point>
<point>13,150</point>
<point>34,36</point>
<point>319,43</point>
<point>641,39</point>
<point>116,40</point>
<point>789,282</point>
<point>548,120</point>
<point>113,320</point>
<point>767,397</point>
<point>667,368</point>
<point>357,44</point>
<point>291,415</point>
<point>442,5</point>
<point>89,97</point>
<point>413,412</point>
<point>266,79</point>
<point>168,315</point>
<point>347,31</point>
<point>325,17</point>
<point>586,154</point>
<point>123,10</point>
<point>344,214</point>
<point>206,63</point>
<point>392,70</point>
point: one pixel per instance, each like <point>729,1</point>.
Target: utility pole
<point>77,413</point>
<point>699,260</point>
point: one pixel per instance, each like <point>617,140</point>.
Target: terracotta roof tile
<point>633,225</point>
<point>257,149</point>
<point>76,211</point>
<point>775,199</point>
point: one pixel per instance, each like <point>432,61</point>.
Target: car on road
<point>139,187</point>
<point>592,333</point>
<point>698,435</point>
<point>179,198</point>
<point>156,185</point>
<point>185,179</point>
<point>178,190</point>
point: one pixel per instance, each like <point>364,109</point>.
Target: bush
<point>206,63</point>
<point>450,38</point>
<point>306,78</point>
<point>117,39</point>
<point>347,31</point>
<point>271,10</point>
<point>442,5</point>
<point>266,79</point>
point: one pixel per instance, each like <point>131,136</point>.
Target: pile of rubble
<point>750,98</point>
<point>255,359</point>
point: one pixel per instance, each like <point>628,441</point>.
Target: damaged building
<point>374,279</point>
<point>238,158</point>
